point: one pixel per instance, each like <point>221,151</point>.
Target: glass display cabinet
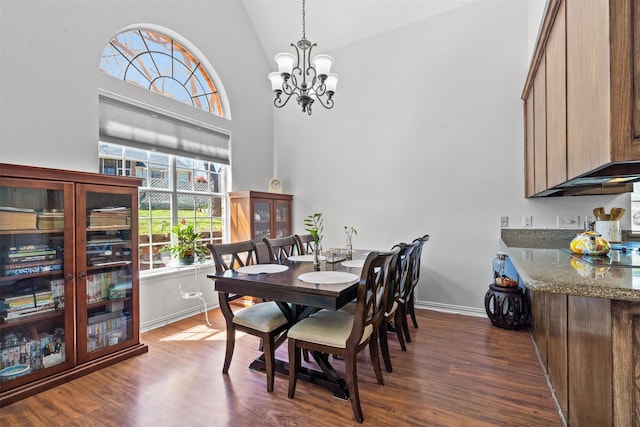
<point>68,276</point>
<point>256,215</point>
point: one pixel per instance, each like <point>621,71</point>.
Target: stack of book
<point>113,216</point>
<point>12,218</point>
<point>14,307</point>
<point>30,259</point>
<point>50,220</point>
<point>103,325</point>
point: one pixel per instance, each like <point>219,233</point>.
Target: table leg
<point>328,378</point>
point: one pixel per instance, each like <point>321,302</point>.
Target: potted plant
<point>188,246</point>
<point>314,225</point>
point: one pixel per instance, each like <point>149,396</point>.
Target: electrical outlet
<point>504,221</point>
<point>527,221</point>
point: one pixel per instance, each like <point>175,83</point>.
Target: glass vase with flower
<point>314,225</point>
<point>350,232</point>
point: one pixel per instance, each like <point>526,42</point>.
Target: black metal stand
<point>506,307</point>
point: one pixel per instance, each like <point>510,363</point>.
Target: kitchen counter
<point>585,320</point>
<point>543,266</point>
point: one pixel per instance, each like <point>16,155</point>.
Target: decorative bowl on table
<point>590,243</point>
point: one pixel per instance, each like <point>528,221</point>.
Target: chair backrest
<point>305,243</point>
<point>281,248</point>
<point>399,279</point>
<point>228,256</point>
<point>372,295</point>
<point>416,255</point>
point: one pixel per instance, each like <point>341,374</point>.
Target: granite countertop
<point>538,257</point>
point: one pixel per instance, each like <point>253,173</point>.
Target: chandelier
<point>309,80</point>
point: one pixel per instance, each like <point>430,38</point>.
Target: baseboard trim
<point>174,317</point>
<point>421,305</point>
<point>450,308</point>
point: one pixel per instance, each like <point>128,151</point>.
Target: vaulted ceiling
<point>335,23</point>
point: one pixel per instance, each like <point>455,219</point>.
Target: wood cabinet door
<point>625,79</point>
<point>590,362</point>
<point>540,128</point>
<point>556,79</point>
<point>588,79</point>
<point>539,314</point>
<point>635,60</point>
<point>529,160</point>
<point>557,351</point>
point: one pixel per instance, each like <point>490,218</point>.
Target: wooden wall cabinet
<point>582,97</point>
<point>68,276</point>
<point>255,215</point>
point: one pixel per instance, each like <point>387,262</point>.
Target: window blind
<point>131,125</point>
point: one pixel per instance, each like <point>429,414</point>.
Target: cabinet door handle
<point>69,278</point>
<point>83,275</point>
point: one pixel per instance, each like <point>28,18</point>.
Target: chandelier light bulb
<point>331,83</point>
<point>285,61</point>
<point>322,64</point>
<point>276,81</point>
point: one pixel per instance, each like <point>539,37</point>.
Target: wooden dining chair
<point>305,243</point>
<point>264,320</point>
<point>399,290</point>
<point>281,248</point>
<point>344,334</point>
<point>414,270</point>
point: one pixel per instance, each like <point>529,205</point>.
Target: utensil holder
<point>610,230</point>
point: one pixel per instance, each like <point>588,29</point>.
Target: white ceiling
<point>332,23</point>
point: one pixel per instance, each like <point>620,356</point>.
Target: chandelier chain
<point>304,32</point>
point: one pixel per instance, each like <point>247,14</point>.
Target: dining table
<point>299,298</point>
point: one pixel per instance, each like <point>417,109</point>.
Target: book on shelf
<point>112,210</point>
<point>29,258</point>
<point>27,253</point>
<point>12,218</point>
<point>24,264</point>
<point>112,216</point>
<point>50,220</point>
<point>20,271</point>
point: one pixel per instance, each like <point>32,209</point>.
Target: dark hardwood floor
<point>458,371</point>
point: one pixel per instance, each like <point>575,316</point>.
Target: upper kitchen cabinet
<point>582,100</point>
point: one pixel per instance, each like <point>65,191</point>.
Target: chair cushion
<point>264,317</point>
<point>326,327</point>
<point>349,307</point>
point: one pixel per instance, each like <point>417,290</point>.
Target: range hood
<point>613,178</point>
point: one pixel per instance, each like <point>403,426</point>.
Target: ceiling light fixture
<point>309,80</point>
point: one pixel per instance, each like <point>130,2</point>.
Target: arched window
<point>165,66</point>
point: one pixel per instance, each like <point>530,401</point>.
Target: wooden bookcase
<point>68,276</point>
<point>256,215</point>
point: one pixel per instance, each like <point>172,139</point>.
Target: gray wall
<point>426,138</point>
<point>50,54</point>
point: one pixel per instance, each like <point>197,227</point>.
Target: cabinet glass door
<point>282,219</point>
<point>107,257</point>
<point>36,280</point>
<point>261,220</point>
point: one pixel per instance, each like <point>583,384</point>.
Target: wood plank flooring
<point>458,371</point>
